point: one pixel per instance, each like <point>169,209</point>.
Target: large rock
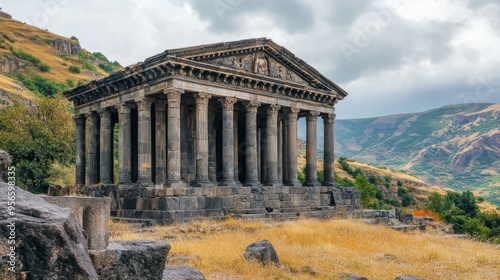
<point>66,47</point>
<point>182,272</point>
<point>349,276</point>
<point>262,251</point>
<point>4,165</point>
<point>137,259</point>
<point>49,242</point>
<point>408,277</point>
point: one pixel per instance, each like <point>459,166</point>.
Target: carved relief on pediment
<point>258,63</point>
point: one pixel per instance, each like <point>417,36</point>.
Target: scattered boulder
<point>182,272</point>
<point>310,270</point>
<point>405,218</point>
<point>52,244</point>
<point>349,276</point>
<point>136,259</point>
<point>4,165</point>
<point>262,251</point>
<point>408,277</point>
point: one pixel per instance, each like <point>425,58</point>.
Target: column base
<point>175,184</point>
<point>229,183</point>
<point>273,184</point>
<point>295,183</point>
<point>311,184</point>
<point>329,184</point>
<point>252,184</point>
<point>201,184</point>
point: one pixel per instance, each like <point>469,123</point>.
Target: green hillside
<point>456,146</point>
<point>35,63</point>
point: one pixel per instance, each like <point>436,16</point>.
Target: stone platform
<point>167,205</point>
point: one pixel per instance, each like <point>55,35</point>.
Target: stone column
<point>201,177</point>
<point>80,149</point>
<point>228,158</point>
<point>173,137</point>
<point>144,149</point>
<point>311,150</point>
<point>93,149</point>
<point>271,154</point>
<point>292,179</point>
<point>329,171</point>
<point>252,175</point>
<point>161,141</point>
<point>124,145</point>
<point>280,151</point>
<point>106,155</point>
<point>285,148</point>
<point>236,147</point>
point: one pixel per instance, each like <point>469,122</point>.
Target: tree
<point>38,137</point>
<point>468,204</point>
<point>367,191</point>
<point>435,202</point>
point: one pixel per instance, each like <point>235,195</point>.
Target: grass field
<point>330,247</point>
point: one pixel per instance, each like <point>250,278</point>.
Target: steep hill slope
<point>35,62</point>
<point>456,146</point>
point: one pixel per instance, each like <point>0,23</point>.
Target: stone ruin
<point>210,131</point>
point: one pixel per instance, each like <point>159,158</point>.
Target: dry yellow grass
<point>332,246</point>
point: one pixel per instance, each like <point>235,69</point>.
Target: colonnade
<point>94,152</point>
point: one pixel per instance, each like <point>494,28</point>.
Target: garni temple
<point>210,131</point>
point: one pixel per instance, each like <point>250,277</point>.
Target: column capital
<point>202,98</point>
<point>312,116</point>
<point>228,102</point>
<point>329,118</point>
<point>272,110</point>
<point>252,106</point>
<point>104,113</point>
<point>143,103</point>
<point>80,119</point>
<point>123,108</point>
<point>173,94</point>
<point>292,112</point>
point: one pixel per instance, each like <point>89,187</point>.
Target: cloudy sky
<point>390,56</point>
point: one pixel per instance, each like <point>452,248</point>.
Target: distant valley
<point>456,146</point>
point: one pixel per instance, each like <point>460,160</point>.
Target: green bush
<point>100,56</point>
<point>407,200</point>
<point>74,38</point>
<point>88,66</point>
<point>9,38</point>
<point>26,56</point>
<point>74,69</point>
<point>40,85</point>
<point>44,67</point>
<point>70,83</point>
<point>400,184</point>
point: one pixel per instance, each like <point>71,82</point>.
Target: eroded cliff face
<point>10,63</point>
<point>66,47</point>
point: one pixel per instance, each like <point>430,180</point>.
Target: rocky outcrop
<point>66,47</point>
<point>262,251</point>
<point>137,259</point>
<point>4,165</point>
<point>49,242</point>
<point>408,277</point>
<point>349,276</point>
<point>10,63</point>
<point>5,15</point>
<point>7,99</point>
<point>182,272</point>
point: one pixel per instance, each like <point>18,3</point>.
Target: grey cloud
<point>226,15</point>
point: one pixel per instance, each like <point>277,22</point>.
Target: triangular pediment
<point>259,56</point>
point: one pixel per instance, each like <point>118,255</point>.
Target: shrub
<point>400,184</point>
<point>26,56</point>
<point>40,85</point>
<point>74,38</point>
<point>70,83</point>
<point>407,200</point>
<point>100,56</point>
<point>44,68</point>
<point>9,38</point>
<point>74,69</point>
<point>80,83</point>
<point>402,191</point>
<point>480,199</point>
<point>88,66</point>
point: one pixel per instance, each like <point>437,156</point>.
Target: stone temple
<point>209,131</point>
